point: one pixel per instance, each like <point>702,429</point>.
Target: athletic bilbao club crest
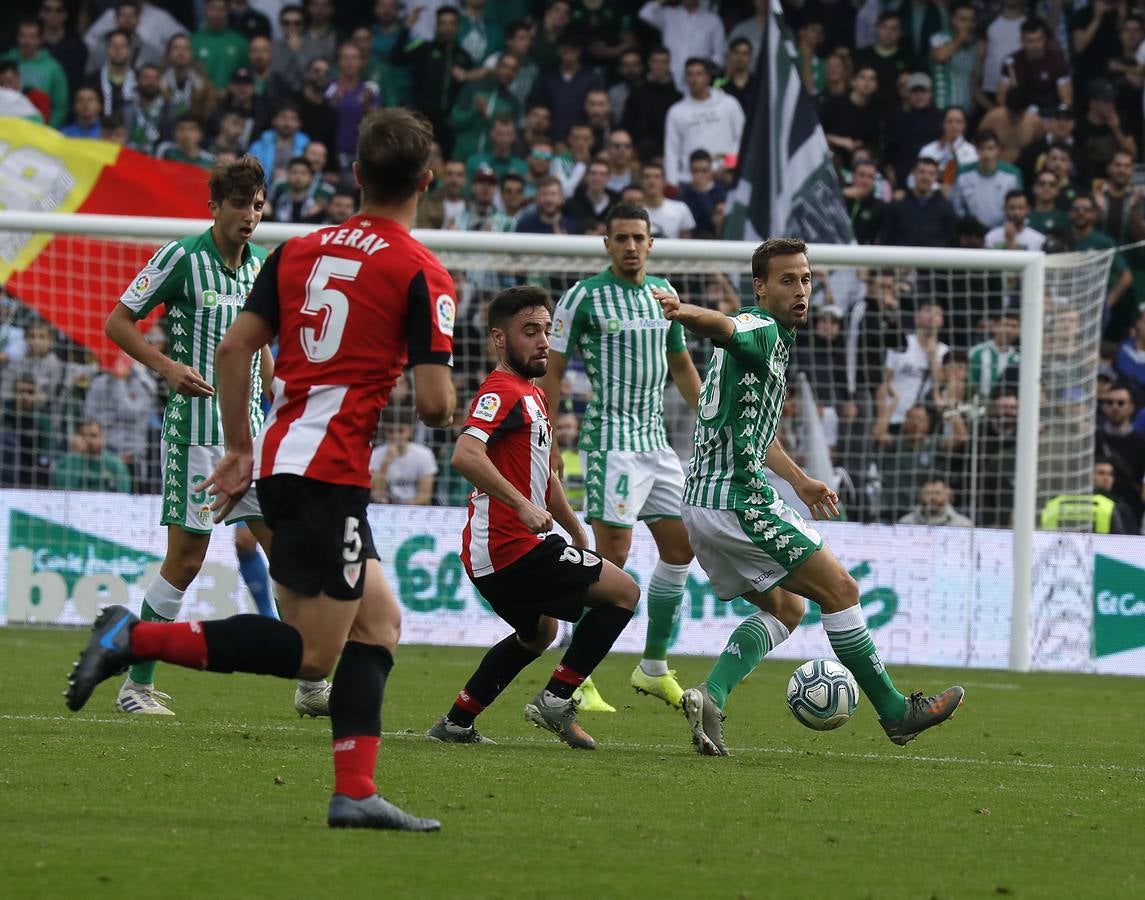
<point>352,572</point>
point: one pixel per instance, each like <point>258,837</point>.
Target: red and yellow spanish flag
<point>70,280</point>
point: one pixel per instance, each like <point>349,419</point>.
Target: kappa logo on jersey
<point>487,406</point>
<point>446,314</point>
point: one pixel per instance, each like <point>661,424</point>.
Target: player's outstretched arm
<point>471,459</point>
<point>121,328</point>
<point>551,386</point>
<point>563,513</point>
<point>708,323</point>
<point>434,394</point>
<point>820,499</point>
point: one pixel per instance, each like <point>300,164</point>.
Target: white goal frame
<point>1029,266</point>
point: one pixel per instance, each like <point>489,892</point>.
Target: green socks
<point>847,632</point>
<point>665,597</point>
<point>752,640</point>
<point>161,603</point>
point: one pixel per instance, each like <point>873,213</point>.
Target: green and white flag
<point>787,185</point>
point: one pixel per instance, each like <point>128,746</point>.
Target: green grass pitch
<point>1035,790</point>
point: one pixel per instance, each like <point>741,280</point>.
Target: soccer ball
<point>822,694</point>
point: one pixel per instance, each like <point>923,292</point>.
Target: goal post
<point>1040,288</point>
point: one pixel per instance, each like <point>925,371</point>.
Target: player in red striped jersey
<point>529,581</point>
<point>350,304</point>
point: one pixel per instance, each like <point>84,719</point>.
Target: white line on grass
<point>633,745</point>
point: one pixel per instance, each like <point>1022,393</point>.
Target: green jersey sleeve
<point>157,281</point>
<point>676,341</point>
<point>753,339</point>
<point>568,319</point>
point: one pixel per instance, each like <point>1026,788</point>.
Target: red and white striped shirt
<point>351,304</point>
<point>510,417</point>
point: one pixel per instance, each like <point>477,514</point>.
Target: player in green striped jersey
<point>747,539</point>
<point>988,361</point>
<point>631,472</point>
<point>203,282</point>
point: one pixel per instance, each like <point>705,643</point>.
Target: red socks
<point>181,643</point>
<point>354,761</point>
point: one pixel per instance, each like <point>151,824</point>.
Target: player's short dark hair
<point>626,211</point>
<point>549,181</point>
<point>761,258</point>
<point>394,146</point>
<point>512,300</point>
<point>239,180</point>
<point>286,105</point>
<point>659,50</point>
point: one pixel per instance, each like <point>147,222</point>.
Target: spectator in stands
<point>1125,447</point>
<point>1125,74</point>
<point>913,456</point>
<point>1122,519</point>
<point>87,112</point>
<point>909,130</point>
<point>443,206</point>
<point>980,192</point>
<point>39,362</point>
<point>149,118</point>
<point>704,196</point>
<point>513,195</point>
<point>751,28</point>
<point>921,21</point>
<point>317,118</point>
<point>1046,216</point>
<point>277,146</point>
<point>564,88</point>
<point>185,86</point>
<point>519,43</point>
<point>648,105</point>
<point>598,116</point>
<point>120,400</point>
<point>591,200</point>
<point>40,70</point>
<point>607,31</point>
<point>934,507</point>
<point>1099,133</point>
<point>853,122</point>
<point>956,56</point>
<point>89,466</point>
<point>736,80</point>
<point>808,41</point>
<point>36,105</point>
<point>219,49</point>
<point>269,85</point>
<point>889,59</point>
<point>452,488</point>
<point>1003,39</point>
<point>299,197</point>
<point>910,373</point>
<point>231,137</point>
<point>631,72</point>
<point>240,97</point>
<point>341,206</point>
<point>26,437</point>
<point>289,53</point>
<point>114,80</point>
<point>1120,208</point>
<point>351,96</point>
<point>923,217</point>
<point>1085,236</point>
<point>823,359</point>
<point>480,33</point>
<point>499,156</point>
<point>1093,29</point>
<point>1059,162</point>
<point>402,470</point>
<point>951,151</point>
<point>248,21</point>
<point>623,169</point>
<point>480,213</point>
<point>989,362</point>
<point>686,31</point>
<point>385,32</point>
<point>554,24</point>
<point>62,42</point>
<point>481,103</point>
<point>1039,69</point>
<point>156,26</point>
<point>320,39</point>
<point>707,119</point>
<point>547,216</point>
<point>1015,232</point>
<point>127,20</point>
<point>1057,127</point>
<point>1015,123</point>
<point>837,72</point>
<point>670,218</point>
<point>997,459</point>
<point>188,144</point>
<point>1130,360</point>
<point>864,208</point>
<point>538,118</point>
<point>571,165</point>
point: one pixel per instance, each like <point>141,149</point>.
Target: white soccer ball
<point>822,694</point>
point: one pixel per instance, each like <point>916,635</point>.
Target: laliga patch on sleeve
<point>561,322</point>
<point>446,314</point>
<point>487,406</point>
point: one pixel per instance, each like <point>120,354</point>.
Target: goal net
<point>903,393</point>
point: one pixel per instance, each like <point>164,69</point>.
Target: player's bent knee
<point>843,593</point>
<point>543,639</point>
<point>627,592</point>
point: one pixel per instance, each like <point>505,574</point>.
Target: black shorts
<point>321,535</point>
<point>552,579</point>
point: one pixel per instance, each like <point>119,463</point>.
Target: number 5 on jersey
<point>328,305</point>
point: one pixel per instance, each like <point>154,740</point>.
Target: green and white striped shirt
<point>741,404</point>
<point>624,339</point>
<point>203,297</point>
<point>987,363</point>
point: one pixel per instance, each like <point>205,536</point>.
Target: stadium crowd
<point>993,123</point>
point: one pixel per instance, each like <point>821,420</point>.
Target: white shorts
<point>749,549</point>
<point>185,468</point>
<point>625,486</point>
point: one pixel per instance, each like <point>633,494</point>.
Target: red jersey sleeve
<point>496,410</point>
<point>432,313</point>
